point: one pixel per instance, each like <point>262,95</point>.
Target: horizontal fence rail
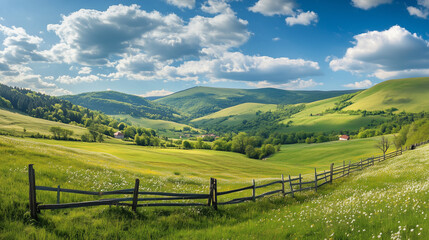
<point>289,186</point>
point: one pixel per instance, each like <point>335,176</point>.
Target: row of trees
<point>251,146</point>
<point>54,109</point>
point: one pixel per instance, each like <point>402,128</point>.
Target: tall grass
<point>389,200</point>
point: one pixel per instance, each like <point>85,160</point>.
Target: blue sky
<point>158,47</point>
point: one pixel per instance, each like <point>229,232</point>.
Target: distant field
<point>14,123</point>
<point>330,122</point>
<point>292,159</point>
<point>305,157</point>
<point>151,123</point>
<point>244,111</point>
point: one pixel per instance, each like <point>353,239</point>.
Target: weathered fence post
<point>32,192</point>
<point>291,188</point>
<point>283,185</point>
<point>350,165</point>
<point>254,190</point>
<point>344,168</point>
<point>315,179</point>
<point>58,194</point>
<point>332,173</point>
<point>210,193</point>
<point>135,195</point>
<point>215,194</point>
<point>300,182</point>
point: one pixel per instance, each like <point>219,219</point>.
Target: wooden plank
<point>315,180</point>
<point>58,194</point>
<point>81,204</point>
<point>268,184</point>
<point>209,202</point>
<point>332,172</point>
<point>135,195</point>
<point>283,185</point>
<point>254,190</point>
<point>300,182</point>
<point>32,192</point>
<point>291,188</point>
<point>235,190</point>
<point>268,193</point>
<point>215,194</point>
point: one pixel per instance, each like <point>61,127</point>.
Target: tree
<point>397,141</point>
<point>383,145</point>
<point>187,145</point>
<point>239,142</point>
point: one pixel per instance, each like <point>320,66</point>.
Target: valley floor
<point>387,201</point>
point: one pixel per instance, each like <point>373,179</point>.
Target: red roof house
<point>344,138</point>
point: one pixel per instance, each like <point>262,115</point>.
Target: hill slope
<point>200,101</point>
<point>14,123</point>
<point>113,103</point>
<point>410,95</point>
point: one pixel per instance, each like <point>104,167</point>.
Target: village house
<point>344,138</point>
<point>119,135</point>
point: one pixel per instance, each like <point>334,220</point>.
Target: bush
<point>186,145</point>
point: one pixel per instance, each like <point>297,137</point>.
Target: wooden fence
<point>289,186</point>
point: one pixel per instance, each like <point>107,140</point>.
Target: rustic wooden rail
<point>296,184</point>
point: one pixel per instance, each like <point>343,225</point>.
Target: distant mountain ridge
<point>200,101</point>
<point>114,103</point>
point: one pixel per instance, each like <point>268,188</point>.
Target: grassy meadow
<point>14,123</point>
<point>408,95</point>
<point>388,200</point>
<point>197,163</point>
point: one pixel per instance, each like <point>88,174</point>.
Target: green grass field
<point>14,123</point>
<point>330,122</point>
<point>244,110</point>
<point>408,95</point>
<point>389,199</point>
<point>292,159</point>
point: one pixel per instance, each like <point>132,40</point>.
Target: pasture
<point>389,199</point>
<point>14,123</point>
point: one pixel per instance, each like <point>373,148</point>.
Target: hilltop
<point>115,103</point>
<point>200,101</point>
<point>409,94</point>
<point>341,113</point>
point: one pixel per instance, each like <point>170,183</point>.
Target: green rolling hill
<point>410,95</point>
<point>200,101</point>
<point>114,103</point>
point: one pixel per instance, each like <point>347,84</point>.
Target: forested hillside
<point>54,109</point>
<point>200,101</point>
<point>115,103</point>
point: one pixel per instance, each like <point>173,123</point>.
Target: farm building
<point>344,138</point>
<point>119,135</point>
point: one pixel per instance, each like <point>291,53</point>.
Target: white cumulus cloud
<point>157,93</point>
<point>393,52</point>
<point>422,12</point>
<point>303,18</point>
<point>359,85</point>
<point>182,3</point>
<point>65,79</point>
<point>291,85</point>
<point>216,6</point>
<point>85,70</point>
<point>274,7</point>
<point>367,4</point>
